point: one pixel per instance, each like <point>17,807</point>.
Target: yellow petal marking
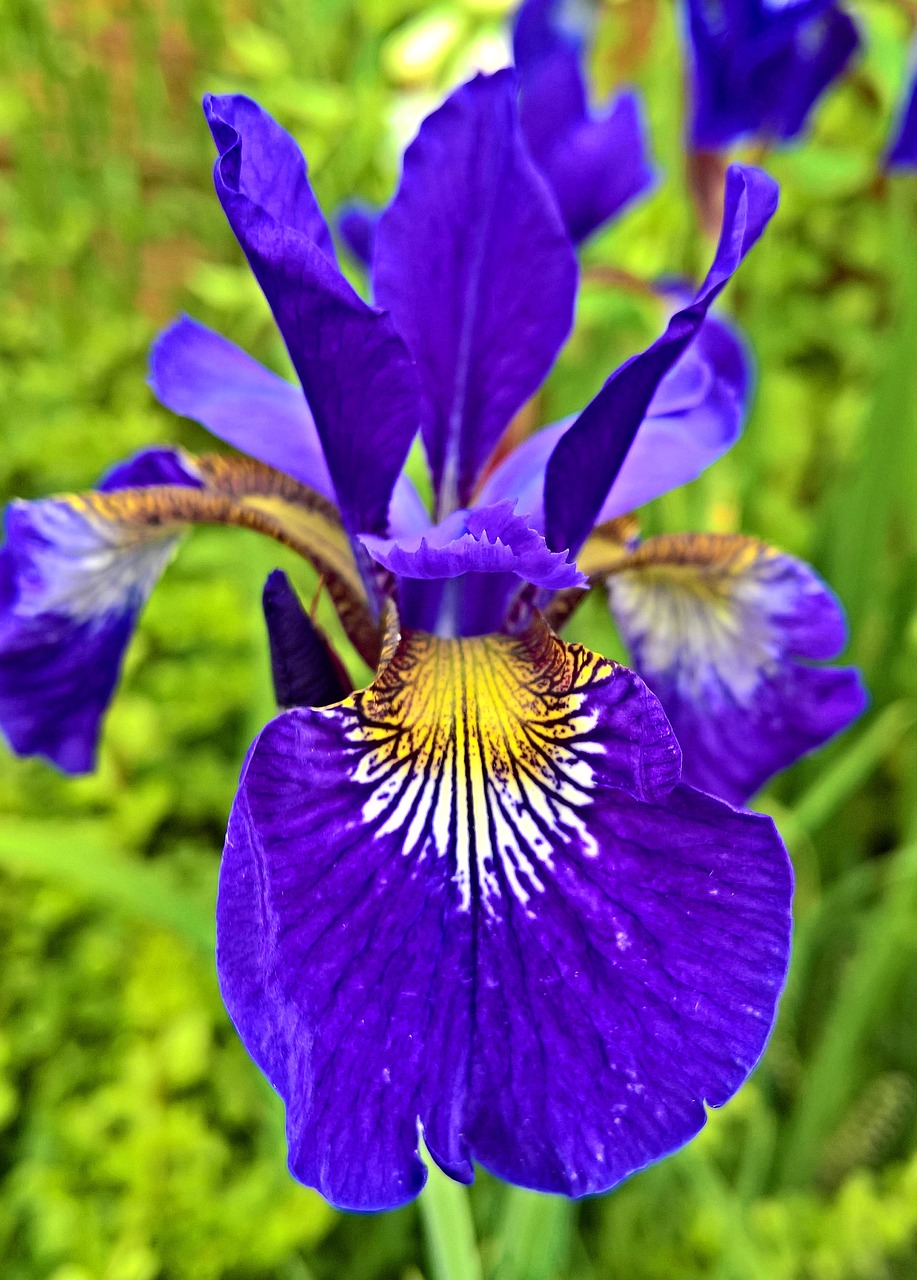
<point>478,750</point>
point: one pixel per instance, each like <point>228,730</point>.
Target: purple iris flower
<point>759,66</point>
<point>902,154</point>
<point>474,904</point>
<point>595,165</point>
<point>356,225</point>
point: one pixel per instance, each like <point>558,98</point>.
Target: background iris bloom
<point>759,68</point>
<point>595,165</point>
<point>902,152</point>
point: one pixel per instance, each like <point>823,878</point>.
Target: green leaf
<point>78,855</point>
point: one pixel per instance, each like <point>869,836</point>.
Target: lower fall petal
<point>724,630</point>
<point>72,588</point>
<point>342,975</point>
<point>468,901</point>
<point>76,570</point>
<point>640,987</point>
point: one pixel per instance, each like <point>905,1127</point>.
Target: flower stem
<point>534,1237</point>
<point>448,1229</point>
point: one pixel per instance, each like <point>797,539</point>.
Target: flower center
<point>479,751</point>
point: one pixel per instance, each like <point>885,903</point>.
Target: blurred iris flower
<point>595,165</point>
<point>473,903</point>
<point>902,153</point>
<point>759,66</point>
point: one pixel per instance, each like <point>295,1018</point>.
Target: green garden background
<point>137,1141</point>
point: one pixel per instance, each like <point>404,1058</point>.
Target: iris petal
<point>358,378</point>
<point>304,667</point>
<point>595,165</point>
<point>468,901</point>
<point>902,153</point>
<point>71,588</point>
<point>264,161</point>
<point>357,224</point>
<point>474,265</point>
<point>588,458</point>
<point>544,29</point>
<point>152,467</point>
<point>486,540</point>
<point>760,68</point>
<point>640,988</point>
<point>724,630</point>
<point>76,570</point>
<point>695,416</point>
<point>202,375</point>
<point>599,167</point>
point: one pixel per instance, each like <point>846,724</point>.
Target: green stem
<point>448,1228</point>
<point>535,1235</point>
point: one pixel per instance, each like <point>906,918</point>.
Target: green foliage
<point>137,1142</point>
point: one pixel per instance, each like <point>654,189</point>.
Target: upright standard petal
<point>267,164</point>
<point>724,630</point>
<point>202,375</point>
<point>695,416</point>
<point>467,903</point>
<point>76,570</point>
<point>358,378</point>
<point>473,262</point>
<point>589,456</point>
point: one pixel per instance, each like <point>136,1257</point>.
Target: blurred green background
<point>137,1142</point>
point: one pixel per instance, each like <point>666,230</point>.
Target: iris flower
<point>595,165</point>
<point>902,153</point>
<point>474,904</point>
<point>759,66</point>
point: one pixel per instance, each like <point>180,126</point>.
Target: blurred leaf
<point>850,769</point>
<point>76,855</point>
<point>862,1000</point>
